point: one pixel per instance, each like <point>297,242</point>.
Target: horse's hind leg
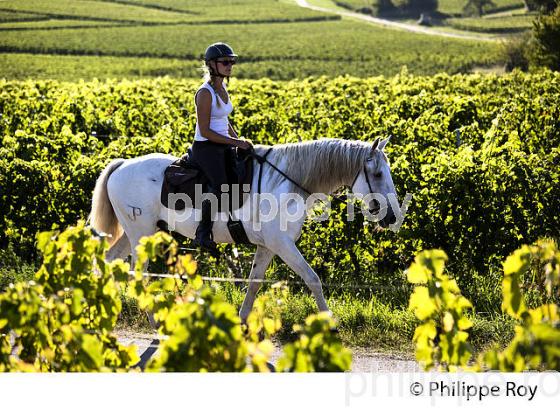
<point>120,249</point>
<point>133,243</point>
<point>261,261</point>
<point>134,232</point>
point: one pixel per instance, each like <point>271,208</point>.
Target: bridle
<point>368,183</point>
<point>365,174</point>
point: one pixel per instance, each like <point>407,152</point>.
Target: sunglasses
<point>226,63</point>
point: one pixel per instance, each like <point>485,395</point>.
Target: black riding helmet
<point>218,50</point>
<point>215,51</point>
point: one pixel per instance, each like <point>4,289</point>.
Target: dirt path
<point>362,359</point>
<point>393,24</point>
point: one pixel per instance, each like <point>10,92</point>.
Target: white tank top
<point>218,114</point>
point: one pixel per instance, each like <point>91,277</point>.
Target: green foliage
<point>515,52</point>
<point>437,302</point>
<point>546,47</point>
<point>73,40</point>
<point>204,332</point>
<point>204,335</point>
<point>63,320</point>
<point>477,7</point>
<point>455,7</point>
<point>439,305</point>
<point>417,5</point>
<point>536,344</point>
<point>317,349</point>
<point>493,188</point>
<point>367,7</point>
<point>162,11</point>
<point>14,268</point>
<point>545,6</point>
<point>437,7</point>
<point>506,24</point>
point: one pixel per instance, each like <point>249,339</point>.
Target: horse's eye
<point>378,175</point>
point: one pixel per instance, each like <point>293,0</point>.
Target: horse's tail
<point>102,217</point>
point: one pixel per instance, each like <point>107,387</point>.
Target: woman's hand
<point>244,144</point>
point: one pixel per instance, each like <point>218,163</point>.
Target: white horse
<point>127,198</point>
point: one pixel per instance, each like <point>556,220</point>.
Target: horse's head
<point>374,183</point>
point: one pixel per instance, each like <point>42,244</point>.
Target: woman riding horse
<point>214,137</point>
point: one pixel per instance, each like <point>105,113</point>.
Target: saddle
<point>182,176</point>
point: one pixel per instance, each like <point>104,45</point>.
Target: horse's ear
<point>382,144</point>
<point>375,144</point>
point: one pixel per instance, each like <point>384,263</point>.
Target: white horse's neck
<point>320,166</point>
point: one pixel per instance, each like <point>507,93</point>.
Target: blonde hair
<point>205,71</point>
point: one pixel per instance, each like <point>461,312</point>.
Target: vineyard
<point>503,17</point>
<point>71,40</point>
<point>479,154</point>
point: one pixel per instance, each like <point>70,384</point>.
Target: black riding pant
<point>213,158</point>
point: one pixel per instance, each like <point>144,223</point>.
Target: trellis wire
<point>245,280</point>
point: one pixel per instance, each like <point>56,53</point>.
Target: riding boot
<point>203,237</point>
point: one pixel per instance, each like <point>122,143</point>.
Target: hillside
<point>71,39</point>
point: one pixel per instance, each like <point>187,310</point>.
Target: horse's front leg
<point>290,254</point>
<point>262,259</point>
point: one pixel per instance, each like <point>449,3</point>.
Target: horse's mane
<point>318,165</point>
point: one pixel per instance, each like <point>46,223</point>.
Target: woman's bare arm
<point>232,132</point>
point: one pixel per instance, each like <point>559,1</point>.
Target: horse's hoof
<point>153,322</point>
<point>244,328</point>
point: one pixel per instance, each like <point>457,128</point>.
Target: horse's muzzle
<point>374,207</point>
<point>388,220</point>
